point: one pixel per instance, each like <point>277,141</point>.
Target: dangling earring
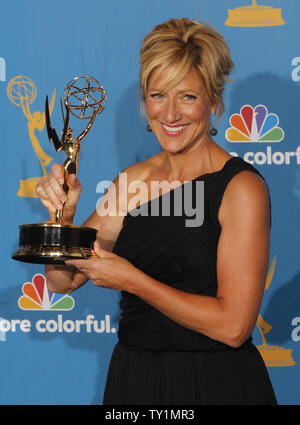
<point>148,128</point>
<point>213,131</point>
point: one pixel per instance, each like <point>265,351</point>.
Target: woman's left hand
<point>108,270</point>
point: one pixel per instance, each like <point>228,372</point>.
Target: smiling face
<point>180,117</point>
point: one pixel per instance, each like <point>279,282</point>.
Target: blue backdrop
<point>56,351</point>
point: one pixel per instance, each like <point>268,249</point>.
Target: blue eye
<point>189,97</point>
<point>156,95</point>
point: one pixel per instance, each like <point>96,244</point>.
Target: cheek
<point>152,109</point>
<point>198,114</point>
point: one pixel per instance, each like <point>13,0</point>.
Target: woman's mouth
<point>174,131</point>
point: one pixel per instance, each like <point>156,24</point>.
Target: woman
<point>190,293</point>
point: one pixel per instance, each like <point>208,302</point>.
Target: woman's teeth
<point>174,129</point>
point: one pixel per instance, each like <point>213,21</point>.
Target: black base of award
<point>53,243</point>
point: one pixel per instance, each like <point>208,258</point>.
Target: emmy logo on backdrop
<point>272,355</point>
<point>254,16</point>
<point>22,92</point>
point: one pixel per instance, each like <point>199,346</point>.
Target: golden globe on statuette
<point>55,242</point>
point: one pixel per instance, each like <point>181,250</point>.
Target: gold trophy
<point>54,242</point>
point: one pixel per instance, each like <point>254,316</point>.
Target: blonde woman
<point>191,290</point>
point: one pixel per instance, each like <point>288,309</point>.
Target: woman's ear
<point>214,108</point>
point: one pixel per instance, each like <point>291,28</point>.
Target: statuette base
<point>53,243</point>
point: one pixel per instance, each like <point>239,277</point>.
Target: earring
<point>213,131</point>
<point>148,128</point>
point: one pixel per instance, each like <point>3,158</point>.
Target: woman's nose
<point>172,111</point>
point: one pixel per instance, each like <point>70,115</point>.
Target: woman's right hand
<point>51,193</point>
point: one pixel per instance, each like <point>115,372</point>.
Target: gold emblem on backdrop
<point>271,354</point>
<point>22,92</point>
<point>254,16</point>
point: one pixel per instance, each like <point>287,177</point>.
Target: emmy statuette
<point>54,242</point>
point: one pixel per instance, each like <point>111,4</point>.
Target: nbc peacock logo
<point>36,296</point>
<point>254,124</point>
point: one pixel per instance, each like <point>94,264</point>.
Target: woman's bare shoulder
<point>144,169</point>
<point>248,184</point>
<point>246,195</point>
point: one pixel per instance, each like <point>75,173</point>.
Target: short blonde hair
<point>178,45</point>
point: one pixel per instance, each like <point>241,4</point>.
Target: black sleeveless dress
<point>157,361</point>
